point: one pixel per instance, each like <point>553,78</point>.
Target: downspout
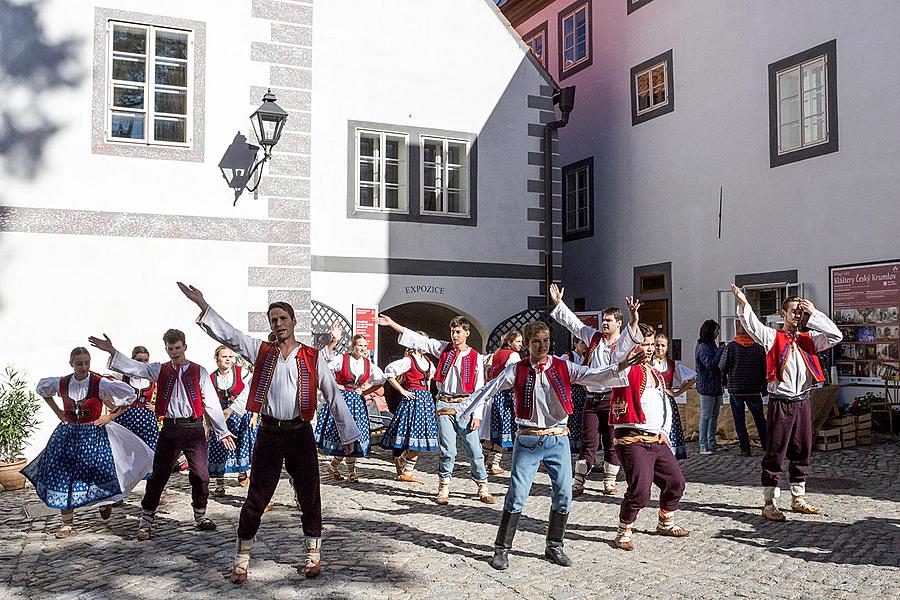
<point>565,98</point>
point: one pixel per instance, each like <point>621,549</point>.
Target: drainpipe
<point>565,98</point>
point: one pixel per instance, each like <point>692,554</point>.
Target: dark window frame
<point>564,73</point>
<point>414,182</point>
<point>589,230</point>
<point>669,106</point>
<point>633,5</point>
<point>829,51</point>
<point>540,29</point>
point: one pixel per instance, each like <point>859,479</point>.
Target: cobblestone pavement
<point>387,539</point>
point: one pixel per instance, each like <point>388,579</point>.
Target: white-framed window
<point>149,84</point>
<point>537,41</point>
<point>802,105</point>
<point>445,176</point>
<point>578,199</point>
<point>575,37</point>
<point>382,171</point>
<point>651,87</point>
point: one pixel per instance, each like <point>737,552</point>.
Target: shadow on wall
<point>30,67</point>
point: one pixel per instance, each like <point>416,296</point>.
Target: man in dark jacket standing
<point>743,366</point>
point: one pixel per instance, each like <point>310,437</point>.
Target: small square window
<point>382,160</point>
<point>536,39</point>
<point>652,88</point>
<point>578,199</point>
<point>803,105</point>
<point>575,44</point>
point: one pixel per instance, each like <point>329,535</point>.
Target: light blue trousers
<point>448,427</point>
<point>529,452</point>
<point>709,420</point>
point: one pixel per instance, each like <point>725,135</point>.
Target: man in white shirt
<point>184,395</point>
<point>792,369</point>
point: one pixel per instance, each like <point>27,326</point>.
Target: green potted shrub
<point>18,411</point>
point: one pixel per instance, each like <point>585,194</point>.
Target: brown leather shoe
<point>674,531</point>
<point>238,574</point>
<point>771,512</point>
<point>487,499</point>
<point>218,492</point>
<point>64,532</point>
<point>312,568</point>
<point>625,544</point>
<point>143,535</point>
<point>408,478</point>
<point>800,505</point>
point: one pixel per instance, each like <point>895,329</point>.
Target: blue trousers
<point>709,420</point>
<point>529,452</point>
<point>448,427</point>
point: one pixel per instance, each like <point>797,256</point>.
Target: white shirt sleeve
<point>135,368</point>
<point>513,359</point>
<point>627,341</point>
<point>476,403</point>
<point>223,332</point>
<point>417,341</point>
<point>824,332</point>
<point>211,405</point>
<point>376,375</point>
<point>239,406</point>
<point>346,426</point>
<point>570,321</point>
<point>682,374</point>
<point>48,387</point>
<point>335,361</point>
<point>603,377</point>
<point>116,392</point>
<point>398,367</point>
<point>761,334</point>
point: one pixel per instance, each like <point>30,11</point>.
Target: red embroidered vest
<point>86,410</point>
<point>777,357</point>
<point>468,367</point>
<point>592,347</point>
<point>307,378</point>
<point>415,378</point>
<point>227,396</point>
<point>669,375</point>
<point>625,406</point>
<point>168,375</point>
<point>144,396</point>
<point>558,376</point>
<point>345,376</point>
<point>498,362</point>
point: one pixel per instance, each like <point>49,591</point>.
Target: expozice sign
<point>424,289</point>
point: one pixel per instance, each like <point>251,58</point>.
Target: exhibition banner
<point>365,322</point>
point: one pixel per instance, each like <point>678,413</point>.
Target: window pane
<point>434,200</point>
<point>171,102</point>
<point>813,130</point>
<point>170,130</point>
<point>813,103</point>
<point>129,39</point>
<point>430,176</point>
<point>569,25</point>
<point>570,181</point>
<point>571,225</point>
<point>128,97</point>
<point>368,196</point>
<point>456,153</point>
<point>454,178</point>
<point>582,218</point>
<point>171,74</point>
<point>391,172</point>
<point>391,197</point>
<point>814,76</point>
<point>643,91</point>
<point>790,111</point>
<point>789,84</point>
<point>367,170</point>
<point>581,34</point>
<point>456,202</point>
<point>392,147</point>
<point>658,75</point>
<point>127,126</point>
<point>580,179</point>
<point>128,69</point>
<point>433,150</point>
<point>368,144</point>
<point>789,136</point>
<point>659,95</point>
<point>171,45</point>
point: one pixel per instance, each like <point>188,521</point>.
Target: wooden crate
<point>851,443</point>
<point>864,419</point>
<point>827,446</point>
<point>828,439</point>
<point>840,421</point>
<point>848,428</point>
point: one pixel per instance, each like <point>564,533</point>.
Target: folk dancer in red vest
<point>497,430</point>
<point>542,390</point>
<point>139,418</point>
<point>78,467</point>
<point>678,380</point>
<point>184,395</point>
<point>460,371</point>
<point>232,389</point>
<point>414,426</point>
<point>356,377</point>
<point>286,378</point>
<point>792,368</point>
<point>579,395</point>
<point>604,347</point>
<point>642,416</point>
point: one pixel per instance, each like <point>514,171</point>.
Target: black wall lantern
<point>268,122</point>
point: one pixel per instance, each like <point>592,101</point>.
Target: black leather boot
<point>503,543</point>
<point>556,531</point>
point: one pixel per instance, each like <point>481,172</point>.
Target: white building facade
<point>408,175</point>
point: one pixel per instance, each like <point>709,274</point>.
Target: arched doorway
<point>433,319</point>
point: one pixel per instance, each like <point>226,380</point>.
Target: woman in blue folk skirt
<point>678,379</point>
<point>232,390</point>
<point>89,459</point>
<point>139,418</point>
<point>414,426</point>
<point>353,371</point>
<point>497,431</point>
<point>579,394</point>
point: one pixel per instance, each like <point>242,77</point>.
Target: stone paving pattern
<point>387,539</point>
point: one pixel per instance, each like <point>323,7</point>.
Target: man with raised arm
<point>184,394</point>
<point>605,347</point>
<point>792,368</point>
<point>286,377</point>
